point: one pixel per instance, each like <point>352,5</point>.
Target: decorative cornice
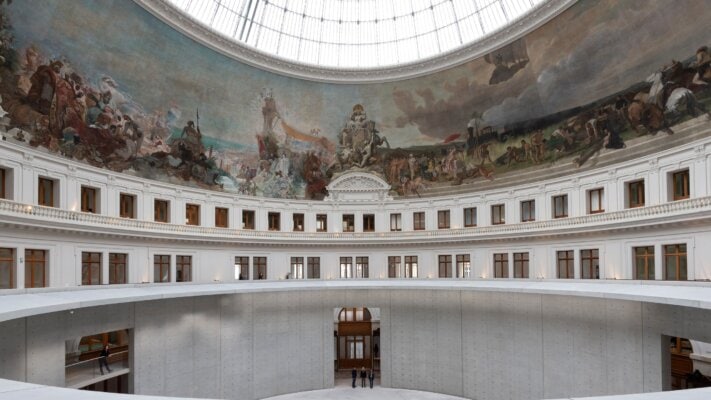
<point>358,187</point>
<point>201,33</point>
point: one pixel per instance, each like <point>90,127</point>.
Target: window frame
<point>528,207</point>
<point>313,267</point>
<point>470,217</point>
<point>192,214</point>
<point>521,265</point>
<point>297,222</point>
<point>91,268</point>
<point>160,205</point>
<point>501,265</point>
<point>243,262</point>
<point>345,267</point>
<point>89,199</point>
<point>321,222</point>
<point>568,262</point>
<point>3,183</point>
<point>590,263</point>
<point>183,268</point>
<point>362,267</point>
<point>397,225</point>
<point>29,270</point>
<point>9,263</point>
<point>117,262</point>
<point>161,264</point>
<point>678,256</point>
<point>685,176</point>
<point>645,258</point>
<point>635,189</point>
<point>498,214</point>
<point>564,203</point>
<point>368,222</point>
<point>464,265</point>
<point>222,217</point>
<point>419,222</point>
<point>410,265</point>
<point>45,185</point>
<point>348,223</point>
<point>443,219</point>
<point>274,221</point>
<point>248,220</point>
<point>444,262</point>
<point>124,199</point>
<point>599,194</point>
<point>259,267</point>
<point>297,268</point>
<point>394,265</point>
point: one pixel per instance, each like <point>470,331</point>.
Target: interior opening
<point>690,363</point>
<point>98,362</point>
<point>357,351</point>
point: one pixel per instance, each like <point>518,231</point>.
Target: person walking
<point>363,375</point>
<point>354,375</point>
<point>371,377</point>
<point>104,359</point>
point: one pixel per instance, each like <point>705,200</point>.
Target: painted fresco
<point>105,83</point>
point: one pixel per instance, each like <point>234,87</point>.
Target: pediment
<point>358,186</point>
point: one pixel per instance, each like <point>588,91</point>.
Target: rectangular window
<point>36,268</point>
<point>274,221</point>
<point>90,268</point>
<point>118,268</point>
<point>635,193</point>
<point>675,262</point>
<point>161,268</point>
<point>7,268</point>
<point>3,183</point>
<point>470,217</point>
<point>192,214</point>
<point>247,219</point>
<point>241,268</point>
<point>528,211</point>
<point>644,263</point>
<point>396,222</point>
<point>445,266</point>
<point>520,266</point>
<point>298,220</point>
<point>596,201</point>
<point>680,181</point>
<point>297,268</point>
<point>560,206</point>
<point>368,222</point>
<point>410,266</point>
<point>393,266</point>
<point>260,267</point>
<point>348,223</point>
<point>45,192</point>
<point>565,264</point>
<point>498,214</point>
<point>418,221</point>
<point>222,217</point>
<point>89,199</point>
<point>590,264</point>
<point>464,266</point>
<point>183,268</point>
<point>346,267</point>
<point>321,223</point>
<point>443,219</point>
<point>160,210</point>
<point>127,206</point>
<point>361,267</point>
<point>501,265</point>
<point>313,264</point>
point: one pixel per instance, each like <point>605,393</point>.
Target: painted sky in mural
<point>134,95</point>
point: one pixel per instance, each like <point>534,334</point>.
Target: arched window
<point>355,314</point>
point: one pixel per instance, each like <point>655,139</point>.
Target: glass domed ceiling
<point>355,33</point>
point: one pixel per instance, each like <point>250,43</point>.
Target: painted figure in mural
<point>507,61</point>
<point>358,140</point>
<point>44,84</point>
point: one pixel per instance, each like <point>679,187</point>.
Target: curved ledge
<point>37,302</point>
<point>199,32</point>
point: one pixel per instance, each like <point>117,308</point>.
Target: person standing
<point>354,375</point>
<point>371,377</point>
<point>103,359</point>
<point>363,375</point>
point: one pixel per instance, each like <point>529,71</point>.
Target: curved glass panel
<point>355,33</point>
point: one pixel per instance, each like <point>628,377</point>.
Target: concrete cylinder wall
<point>474,344</point>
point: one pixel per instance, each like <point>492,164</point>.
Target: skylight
<point>355,33</point>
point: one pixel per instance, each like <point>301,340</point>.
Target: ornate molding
<point>201,33</point>
<point>358,187</point>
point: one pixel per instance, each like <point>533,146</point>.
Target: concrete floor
<point>85,374</point>
<point>344,391</point>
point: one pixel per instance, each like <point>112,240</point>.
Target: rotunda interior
<point>426,199</point>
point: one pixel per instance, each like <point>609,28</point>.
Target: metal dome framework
<point>358,34</point>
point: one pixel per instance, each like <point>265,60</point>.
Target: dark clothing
<point>371,378</point>
<point>103,361</point>
<point>354,375</point>
<point>363,375</point>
